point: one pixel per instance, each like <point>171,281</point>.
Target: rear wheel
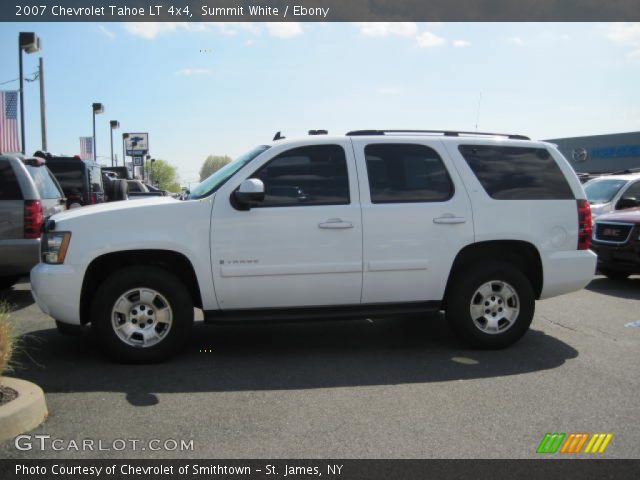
<point>142,314</point>
<point>615,274</point>
<point>490,305</point>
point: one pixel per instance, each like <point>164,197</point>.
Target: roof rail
<point>446,133</point>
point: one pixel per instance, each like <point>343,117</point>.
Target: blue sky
<point>201,89</point>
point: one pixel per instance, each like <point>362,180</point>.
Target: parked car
<point>138,190</point>
<point>616,241</point>
<point>382,223</point>
<point>81,180</point>
<point>28,194</point>
<point>609,193</point>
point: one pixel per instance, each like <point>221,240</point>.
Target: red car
<point>616,240</point>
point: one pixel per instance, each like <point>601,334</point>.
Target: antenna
<point>478,114</point>
<point>277,136</point>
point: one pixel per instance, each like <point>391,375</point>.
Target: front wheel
<point>490,306</point>
<point>142,314</point>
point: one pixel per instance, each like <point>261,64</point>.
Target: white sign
<point>137,161</point>
<point>137,144</point>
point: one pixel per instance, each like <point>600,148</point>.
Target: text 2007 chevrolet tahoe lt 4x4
<point>371,223</point>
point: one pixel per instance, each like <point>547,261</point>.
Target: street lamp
<point>114,124</point>
<point>30,43</point>
<point>98,108</point>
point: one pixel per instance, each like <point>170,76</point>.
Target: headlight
<point>54,246</point>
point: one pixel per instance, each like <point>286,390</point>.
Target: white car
<point>609,193</point>
<point>373,223</point>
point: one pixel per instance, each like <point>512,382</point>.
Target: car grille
<point>612,232</point>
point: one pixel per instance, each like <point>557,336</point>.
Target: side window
<point>313,175</point>
<point>406,173</point>
<point>9,188</point>
<point>45,185</point>
<point>633,191</point>
<point>517,173</point>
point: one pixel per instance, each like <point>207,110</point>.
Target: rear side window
<point>517,173</point>
<point>313,175</point>
<point>9,188</point>
<point>95,179</point>
<point>46,186</point>
<point>405,173</point>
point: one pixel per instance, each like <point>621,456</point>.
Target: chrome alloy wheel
<point>141,317</point>
<point>494,307</point>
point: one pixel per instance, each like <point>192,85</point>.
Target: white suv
<point>368,224</point>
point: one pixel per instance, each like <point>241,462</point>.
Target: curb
<point>25,412</point>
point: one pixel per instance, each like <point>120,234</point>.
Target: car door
<point>302,246</point>
<point>416,217</point>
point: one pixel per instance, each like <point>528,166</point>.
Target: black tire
<point>7,282</point>
<point>615,274</point>
<point>120,190</point>
<point>168,288</point>
<point>462,293</point>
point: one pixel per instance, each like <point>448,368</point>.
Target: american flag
<point>86,148</point>
<point>9,122</point>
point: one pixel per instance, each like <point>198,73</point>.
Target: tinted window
<point>406,173</point>
<point>314,175</point>
<point>46,186</point>
<point>69,176</point>
<point>9,188</point>
<point>517,173</point>
<point>633,191</point>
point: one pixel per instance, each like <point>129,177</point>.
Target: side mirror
<point>248,194</point>
<point>627,202</point>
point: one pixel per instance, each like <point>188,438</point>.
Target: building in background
<point>601,153</point>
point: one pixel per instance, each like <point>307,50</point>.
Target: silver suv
<point>29,193</point>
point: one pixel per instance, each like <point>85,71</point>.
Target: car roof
<point>625,176</point>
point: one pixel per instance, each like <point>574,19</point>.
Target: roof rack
<point>446,133</point>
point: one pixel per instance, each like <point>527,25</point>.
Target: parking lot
<point>361,389</point>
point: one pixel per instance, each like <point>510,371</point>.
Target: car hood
<point>631,215</point>
<point>113,207</point>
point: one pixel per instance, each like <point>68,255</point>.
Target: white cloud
<point>284,29</point>
<point>429,40</point>
<point>517,41</point>
<point>386,29</point>
<point>634,54</point>
<point>461,43</point>
<point>625,35</point>
<point>189,72</point>
<point>150,30</point>
<point>249,43</point>
<point>106,31</point>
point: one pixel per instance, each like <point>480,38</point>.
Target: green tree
<point>163,174</point>
<point>212,164</point>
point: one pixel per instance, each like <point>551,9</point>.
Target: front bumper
<point>56,289</point>
<point>618,257</point>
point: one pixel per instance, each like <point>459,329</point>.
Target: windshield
<point>218,178</point>
<point>602,191</point>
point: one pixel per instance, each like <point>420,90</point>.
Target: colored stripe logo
<point>574,443</point>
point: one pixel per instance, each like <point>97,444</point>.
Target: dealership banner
<point>317,10</point>
<point>331,469</point>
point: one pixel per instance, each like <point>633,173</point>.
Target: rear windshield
<point>517,173</point>
<point>9,188</point>
<point>44,182</point>
<point>69,175</point>
<point>602,191</point>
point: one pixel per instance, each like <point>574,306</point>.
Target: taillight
<point>584,225</point>
<point>32,218</point>
<point>93,198</point>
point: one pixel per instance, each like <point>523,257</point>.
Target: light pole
<point>151,171</point>
<point>124,157</point>
<point>30,43</point>
<point>43,116</point>
<point>114,124</point>
<point>97,108</point>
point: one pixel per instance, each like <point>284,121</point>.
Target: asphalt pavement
<point>358,389</point>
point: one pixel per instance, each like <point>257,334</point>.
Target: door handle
<point>335,223</point>
<point>449,219</point>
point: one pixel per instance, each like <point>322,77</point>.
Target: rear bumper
<point>566,272</point>
<point>624,258</point>
<point>19,256</point>
<point>56,290</point>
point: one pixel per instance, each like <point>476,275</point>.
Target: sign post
<point>137,146</point>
